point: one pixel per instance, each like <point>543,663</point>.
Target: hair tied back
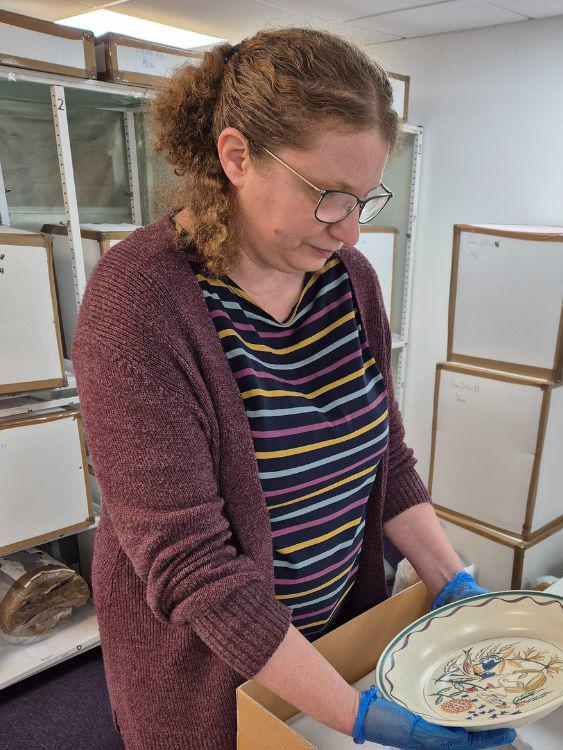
<point>230,52</point>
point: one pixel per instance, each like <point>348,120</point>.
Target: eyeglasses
<point>336,205</point>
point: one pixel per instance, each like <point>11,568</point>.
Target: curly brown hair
<point>273,87</point>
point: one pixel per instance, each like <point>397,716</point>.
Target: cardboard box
<point>506,310</point>
<point>496,451</point>
<point>46,490</point>
<point>401,85</point>
<point>35,44</point>
<point>503,561</point>
<point>379,245</point>
<point>123,59</point>
<point>30,336</point>
<point>96,240</point>
<point>353,649</point>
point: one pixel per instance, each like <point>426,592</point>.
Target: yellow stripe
<point>241,293</point>
<point>324,443</point>
<point>313,394</point>
<point>263,348</point>
<point>323,622</point>
<point>324,489</point>
<point>319,539</point>
<point>318,588</point>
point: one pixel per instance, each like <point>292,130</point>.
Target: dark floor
<point>65,707</point>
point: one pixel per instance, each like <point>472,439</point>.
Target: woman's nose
<point>346,231</point>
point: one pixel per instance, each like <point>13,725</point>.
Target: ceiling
<point>367,21</point>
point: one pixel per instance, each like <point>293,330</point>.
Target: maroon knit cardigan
<point>183,570</point>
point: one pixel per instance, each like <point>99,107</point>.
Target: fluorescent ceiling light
<point>100,21</point>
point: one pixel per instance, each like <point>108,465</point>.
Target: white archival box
<point>501,565</point>
<point>378,244</point>
<point>124,59</point>
<point>96,240</point>
<point>497,448</point>
<point>506,298</point>
<point>400,85</point>
<point>36,44</point>
<point>44,478</point>
<point>31,354</point>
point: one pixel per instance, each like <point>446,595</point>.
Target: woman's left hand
<point>461,586</point>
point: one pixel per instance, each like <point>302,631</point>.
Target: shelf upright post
<point>4,213</point>
<point>132,166</point>
<point>416,130</point>
<point>60,121</point>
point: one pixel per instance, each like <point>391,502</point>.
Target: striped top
<point>316,403</point>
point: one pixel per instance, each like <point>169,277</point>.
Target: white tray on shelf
<point>79,633</point>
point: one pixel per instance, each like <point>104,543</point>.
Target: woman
<point>233,364</point>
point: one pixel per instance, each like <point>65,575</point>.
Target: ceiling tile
<point>456,15</point>
<point>51,11</point>
<point>215,17</point>
<point>341,10</point>
<point>364,36</point>
<point>531,8</point>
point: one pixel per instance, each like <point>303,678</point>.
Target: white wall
<point>491,103</point>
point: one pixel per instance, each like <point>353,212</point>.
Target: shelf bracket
<point>60,121</point>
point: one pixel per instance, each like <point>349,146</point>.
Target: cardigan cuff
<point>246,629</point>
<point>406,491</point>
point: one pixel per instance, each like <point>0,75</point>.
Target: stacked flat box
<point>497,443</point>
<point>35,44</point>
<point>504,562</point>
<point>46,491</point>
<point>400,85</point>
<point>96,240</point>
<point>123,59</point>
<point>31,355</point>
<point>506,299</point>
<point>379,245</point>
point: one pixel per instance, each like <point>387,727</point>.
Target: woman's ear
<point>234,156</point>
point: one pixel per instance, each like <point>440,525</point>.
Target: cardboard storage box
<point>30,336</point>
<point>96,240</point>
<point>124,59</point>
<point>44,478</point>
<point>503,561</point>
<point>506,310</point>
<point>400,86</point>
<point>353,649</point>
<point>379,245</point>
<point>497,448</point>
<point>35,44</point>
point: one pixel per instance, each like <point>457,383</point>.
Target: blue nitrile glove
<point>382,721</point>
<point>461,586</point>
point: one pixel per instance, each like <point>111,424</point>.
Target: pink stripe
<point>320,573</point>
<point>318,521</point>
<point>320,480</point>
<point>318,425</point>
<point>299,381</point>
<point>330,606</point>
<point>307,321</point>
<point>286,331</point>
<point>238,326</point>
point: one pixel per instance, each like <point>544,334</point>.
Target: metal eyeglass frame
<point>323,192</point>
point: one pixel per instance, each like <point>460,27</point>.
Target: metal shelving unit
<point>81,631</point>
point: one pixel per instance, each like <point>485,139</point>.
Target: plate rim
<point>429,616</point>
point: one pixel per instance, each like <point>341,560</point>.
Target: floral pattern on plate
<point>494,678</point>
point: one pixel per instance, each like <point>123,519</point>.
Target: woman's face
<point>277,209</point>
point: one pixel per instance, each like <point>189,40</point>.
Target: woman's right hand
<point>380,720</point>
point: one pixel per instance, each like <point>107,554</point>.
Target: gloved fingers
<point>491,738</point>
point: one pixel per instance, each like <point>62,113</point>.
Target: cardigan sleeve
<point>153,462</point>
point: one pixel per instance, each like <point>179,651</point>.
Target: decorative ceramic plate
<point>490,661</point>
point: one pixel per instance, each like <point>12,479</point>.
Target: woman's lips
<point>321,251</point>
